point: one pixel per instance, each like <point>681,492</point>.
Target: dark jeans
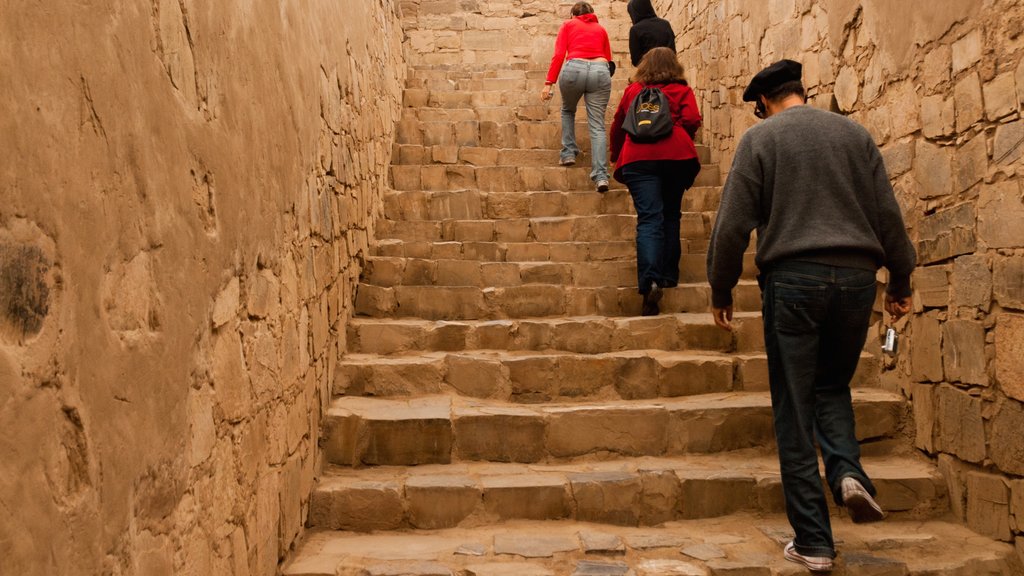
<point>657,188</point>
<point>815,323</point>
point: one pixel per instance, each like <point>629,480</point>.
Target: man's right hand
<point>723,317</point>
<point>897,307</point>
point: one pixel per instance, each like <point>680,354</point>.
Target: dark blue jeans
<point>657,188</point>
<point>815,323</point>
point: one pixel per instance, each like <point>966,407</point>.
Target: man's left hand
<point>723,317</point>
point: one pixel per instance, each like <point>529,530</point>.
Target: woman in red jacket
<point>657,173</point>
<point>584,43</point>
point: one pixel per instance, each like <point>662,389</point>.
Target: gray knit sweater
<point>814,186</point>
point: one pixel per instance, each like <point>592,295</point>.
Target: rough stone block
<point>1000,96</point>
<point>1006,146</point>
<point>630,431</point>
<point>607,497</point>
<point>1000,214</point>
<point>966,51</point>
<point>1005,447</point>
<point>540,546</point>
<point>960,428</point>
<point>938,116</point>
<point>703,497</point>
<point>971,162</point>
<point>361,506</point>
<point>867,565</point>
<point>925,346</point>
<point>499,435</point>
<point>963,352</point>
<point>931,284</point>
<point>923,404</point>
<point>969,106</point>
<point>936,66</point>
<point>529,496</point>
<point>1009,334</point>
<point>1008,282</point>
<point>947,233</point>
<point>933,170</point>
<point>440,501</point>
<point>955,472</point>
<point>898,157</point>
<point>988,505</point>
<point>972,282</point>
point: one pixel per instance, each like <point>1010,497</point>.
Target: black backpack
<point>649,117</point>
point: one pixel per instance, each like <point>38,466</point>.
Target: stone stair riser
<point>693,226</point>
<point>581,335</point>
<point>551,434</point>
<point>387,272</point>
<point>642,498</point>
<point>440,177</point>
<point>547,378</point>
<point>475,205</point>
<point>462,302</point>
<point>442,149</point>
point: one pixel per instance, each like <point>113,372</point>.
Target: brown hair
<point>581,8</point>
<point>659,66</point>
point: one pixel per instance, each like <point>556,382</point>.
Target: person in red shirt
<point>657,173</point>
<point>583,46</point>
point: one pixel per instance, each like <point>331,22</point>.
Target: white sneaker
<point>812,563</point>
<point>602,186</point>
<point>859,503</point>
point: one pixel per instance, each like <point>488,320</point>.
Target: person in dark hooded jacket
<point>648,31</point>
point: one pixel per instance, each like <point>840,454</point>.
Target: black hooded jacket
<point>648,30</point>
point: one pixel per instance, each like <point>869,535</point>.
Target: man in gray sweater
<point>813,185</point>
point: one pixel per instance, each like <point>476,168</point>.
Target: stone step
<point>476,302</point>
<point>419,107</point>
<point>477,205</point>
<point>445,96</point>
<point>596,228</point>
<point>692,264</point>
<point>532,377</point>
<point>454,149</point>
<point>510,178</point>
<point>390,272</point>
<point>581,334</point>
<point>438,429</point>
<point>741,544</point>
<point>632,492</point>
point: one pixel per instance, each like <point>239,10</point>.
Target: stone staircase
<point>503,410</point>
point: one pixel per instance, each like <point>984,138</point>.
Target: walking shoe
<point>567,161</point>
<point>861,505</point>
<point>602,186</point>
<point>812,563</point>
<point>651,299</point>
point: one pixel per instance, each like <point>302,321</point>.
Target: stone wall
<point>185,196</point>
<point>942,90</point>
<point>485,33</point>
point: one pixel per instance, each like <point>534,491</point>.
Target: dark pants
<point>657,188</point>
<point>815,323</point>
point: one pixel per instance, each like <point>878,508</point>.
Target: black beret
<point>772,77</point>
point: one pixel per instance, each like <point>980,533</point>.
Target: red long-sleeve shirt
<point>678,146</point>
<point>580,37</point>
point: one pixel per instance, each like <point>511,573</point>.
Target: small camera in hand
<point>891,343</point>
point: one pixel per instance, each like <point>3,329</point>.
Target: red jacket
<point>678,146</point>
<point>581,37</point>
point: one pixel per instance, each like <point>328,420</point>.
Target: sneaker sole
<point>862,509</point>
<point>812,566</point>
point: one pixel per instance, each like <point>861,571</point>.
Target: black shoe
<point>651,299</point>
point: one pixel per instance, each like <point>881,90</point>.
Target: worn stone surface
<point>972,281</point>
<point>963,352</point>
<point>925,348</point>
<point>988,505</point>
<point>224,183</point>
<point>1008,282</point>
<point>960,428</point>
<point>1009,336</point>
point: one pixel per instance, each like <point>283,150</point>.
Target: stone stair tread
<point>752,463</point>
<point>733,544</point>
<point>448,407</point>
<point>532,251</point>
<point>532,377</point>
<point>445,406</point>
<point>587,334</point>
